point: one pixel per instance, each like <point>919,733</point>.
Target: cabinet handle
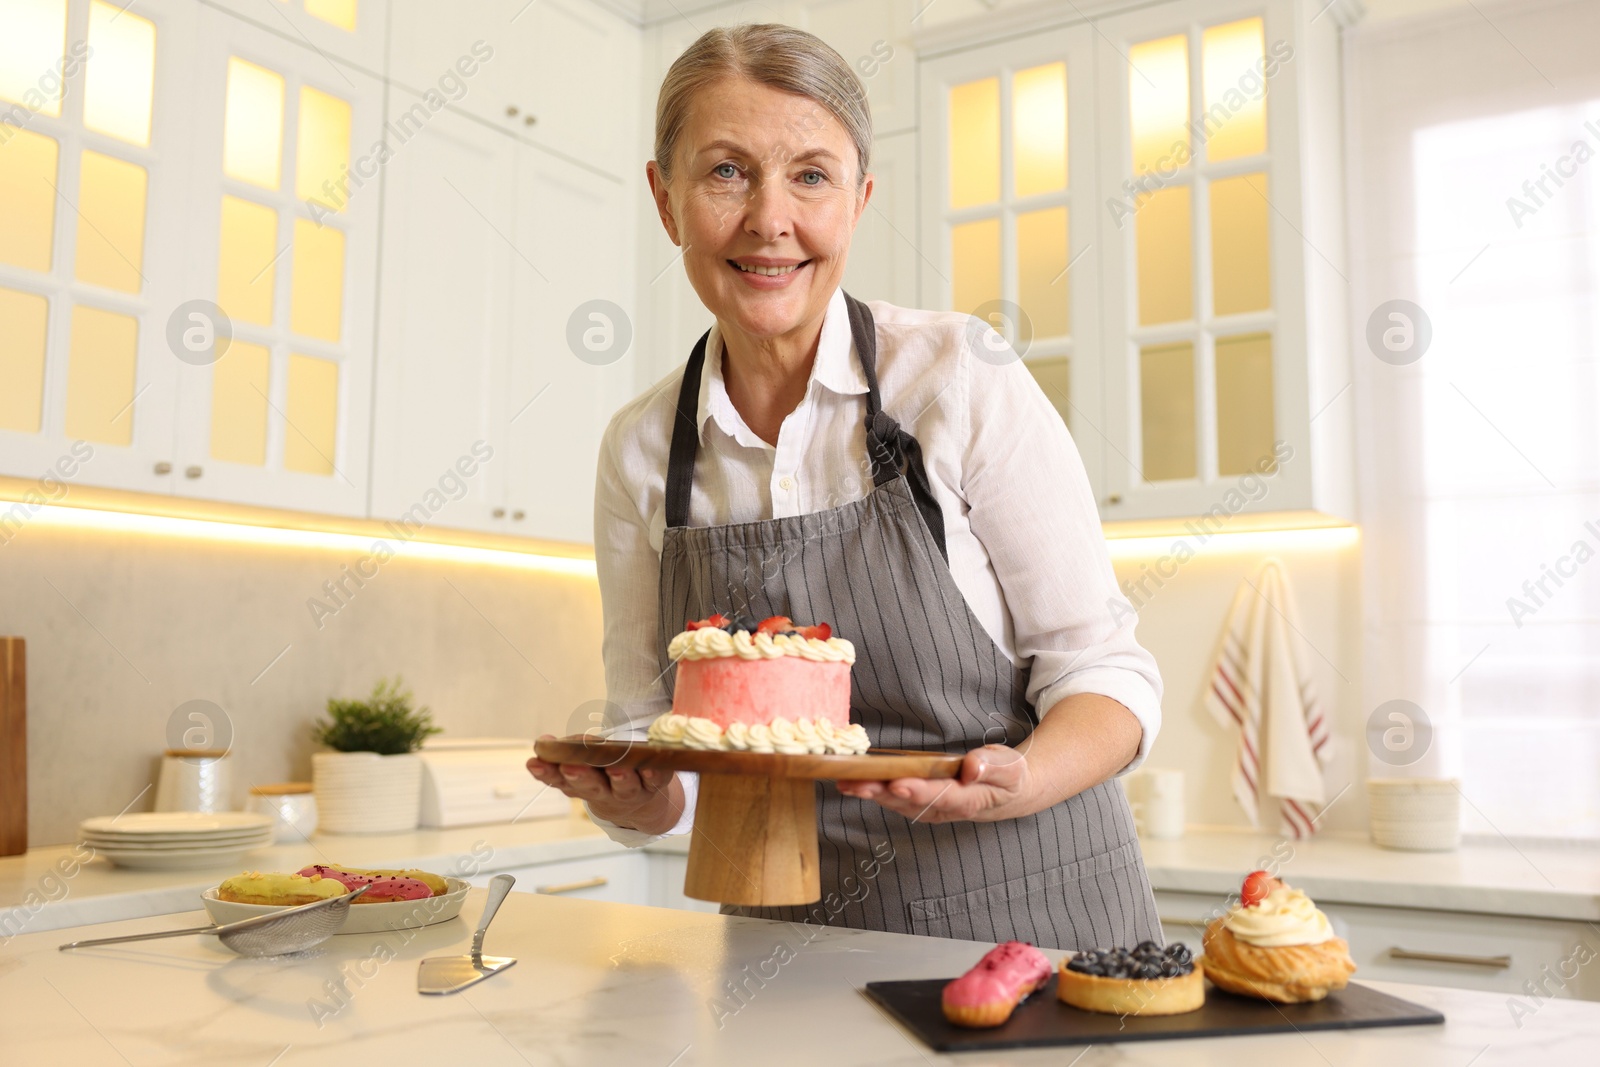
<point>572,887</point>
<point>1167,920</point>
<point>530,120</point>
<point>163,467</point>
<point>1114,498</point>
<point>498,513</point>
<point>511,111</point>
<point>192,472</point>
<point>519,515</point>
<point>1499,963</point>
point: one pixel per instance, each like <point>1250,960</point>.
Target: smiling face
<point>763,200</point>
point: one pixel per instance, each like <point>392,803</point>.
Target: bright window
<point>1477,381</point>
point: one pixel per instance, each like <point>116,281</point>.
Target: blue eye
<point>808,175</point>
<point>731,170</point>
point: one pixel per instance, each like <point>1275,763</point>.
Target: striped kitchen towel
<point>1259,683</point>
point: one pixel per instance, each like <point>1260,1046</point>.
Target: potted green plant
<point>371,781</point>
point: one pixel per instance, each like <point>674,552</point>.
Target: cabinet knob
<point>511,111</point>
<point>192,472</point>
<point>498,513</point>
<point>163,467</point>
<point>530,120</point>
<point>519,515</point>
<point>1114,498</point>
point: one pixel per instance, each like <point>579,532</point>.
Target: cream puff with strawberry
<point>1275,944</point>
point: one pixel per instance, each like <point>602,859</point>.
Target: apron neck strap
<point>889,448</point>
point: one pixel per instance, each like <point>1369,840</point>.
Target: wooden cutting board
<point>13,746</point>
<point>1042,1020</point>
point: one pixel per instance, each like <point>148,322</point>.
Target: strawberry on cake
<point>767,686</point>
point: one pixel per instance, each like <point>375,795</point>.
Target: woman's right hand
<point>649,801</point>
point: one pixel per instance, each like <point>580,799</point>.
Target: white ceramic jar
<point>292,807</point>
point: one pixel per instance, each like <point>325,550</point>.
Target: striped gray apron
<point>927,676</point>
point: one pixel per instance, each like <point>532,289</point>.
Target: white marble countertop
<point>52,888</point>
<point>37,893</point>
<point>601,983</point>
<point>1497,879</point>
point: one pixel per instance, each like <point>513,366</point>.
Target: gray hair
<point>782,57</point>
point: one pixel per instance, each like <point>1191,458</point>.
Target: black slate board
<point>1043,1020</point>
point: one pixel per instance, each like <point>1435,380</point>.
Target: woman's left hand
<point>995,783</point>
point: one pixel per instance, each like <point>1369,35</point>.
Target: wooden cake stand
<point>755,824</point>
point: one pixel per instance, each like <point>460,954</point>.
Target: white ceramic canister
<point>292,807</point>
<point>194,779</point>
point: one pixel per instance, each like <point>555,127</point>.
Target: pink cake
<point>728,689</point>
<point>765,687</point>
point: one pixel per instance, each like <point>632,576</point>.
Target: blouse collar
<point>836,367</point>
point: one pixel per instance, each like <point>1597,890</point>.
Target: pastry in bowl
<point>280,890</point>
<point>386,886</point>
<point>1146,980</point>
<point>1277,945</point>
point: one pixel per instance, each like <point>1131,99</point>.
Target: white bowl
<point>364,918</point>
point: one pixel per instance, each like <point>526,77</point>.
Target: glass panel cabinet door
<point>92,162</point>
<point>1198,161</point>
<point>284,192</point>
<point>1009,224</point>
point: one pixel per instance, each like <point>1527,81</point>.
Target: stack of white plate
<point>1415,814</point>
<point>176,840</point>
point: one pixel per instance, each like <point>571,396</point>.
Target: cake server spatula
<point>452,974</point>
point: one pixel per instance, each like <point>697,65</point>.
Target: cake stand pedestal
<point>755,824</point>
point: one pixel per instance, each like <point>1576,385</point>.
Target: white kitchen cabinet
<point>1498,953</point>
<point>285,242</point>
<point>534,226</point>
<point>496,256</point>
<point>1008,210</point>
<point>351,30</point>
<point>562,74</point>
<point>1200,395</point>
<point>91,264</point>
<point>621,877</point>
<point>668,869</point>
<point>147,207</point>
<point>573,343</point>
<point>443,330</point>
<point>1198,356</point>
<point>652,876</point>
<point>883,260</point>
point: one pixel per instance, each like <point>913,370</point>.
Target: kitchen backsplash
<point>1180,621</point>
<point>124,628</point>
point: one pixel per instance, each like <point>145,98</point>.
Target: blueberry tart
<point>1144,980</point>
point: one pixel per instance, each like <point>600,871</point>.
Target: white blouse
<point>1021,527</point>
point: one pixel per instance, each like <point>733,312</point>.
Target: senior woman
<point>870,466</point>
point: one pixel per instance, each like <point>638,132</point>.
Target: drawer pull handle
<point>572,887</point>
<point>1499,963</point>
<point>1168,920</point>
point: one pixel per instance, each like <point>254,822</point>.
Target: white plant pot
<point>365,793</point>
